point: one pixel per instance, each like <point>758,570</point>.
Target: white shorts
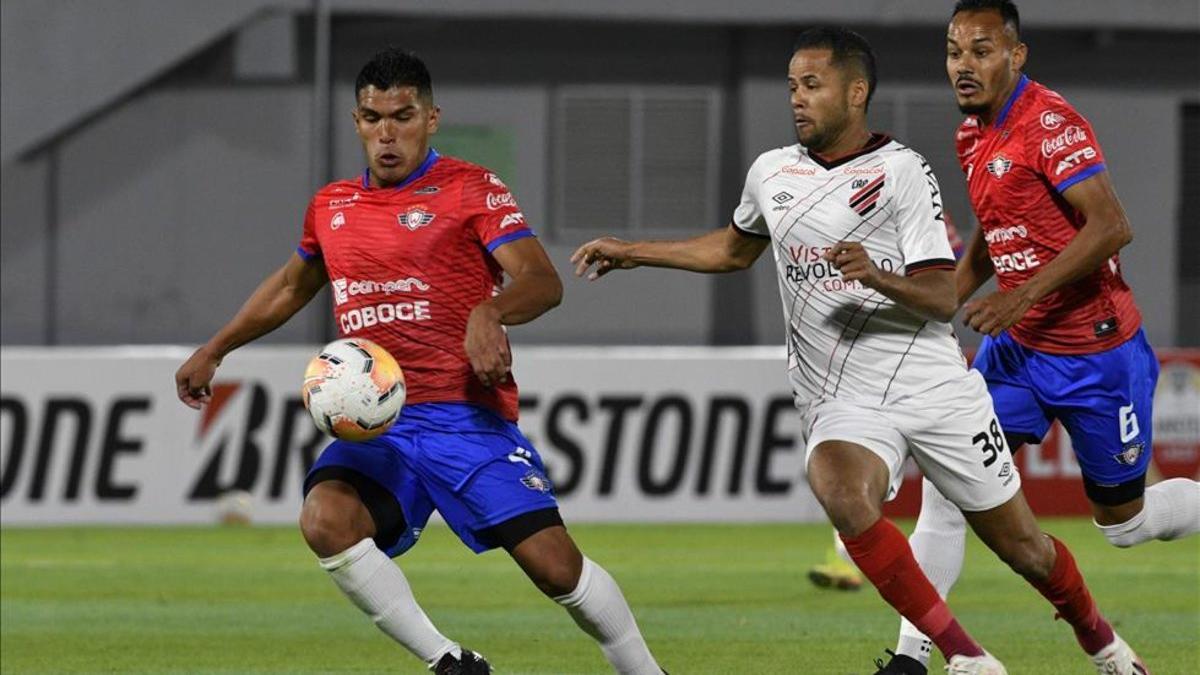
<point>950,430</point>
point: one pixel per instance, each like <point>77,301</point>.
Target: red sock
<point>1068,593</point>
<point>884,556</point>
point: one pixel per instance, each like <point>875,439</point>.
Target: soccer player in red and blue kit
<point>416,250</point>
<point>1063,337</point>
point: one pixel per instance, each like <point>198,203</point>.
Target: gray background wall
<point>143,207</point>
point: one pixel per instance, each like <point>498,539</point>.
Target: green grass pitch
<point>710,599</point>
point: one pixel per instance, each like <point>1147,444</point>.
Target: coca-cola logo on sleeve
<point>1068,137</point>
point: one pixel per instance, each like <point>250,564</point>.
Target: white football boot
<point>975,665</point>
<point>1118,658</point>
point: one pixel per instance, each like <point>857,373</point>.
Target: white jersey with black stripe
<point>847,341</point>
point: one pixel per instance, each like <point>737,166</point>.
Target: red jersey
<point>407,264</point>
<point>1017,169</point>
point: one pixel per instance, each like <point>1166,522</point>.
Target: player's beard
<point>821,136</point>
<point>973,108</point>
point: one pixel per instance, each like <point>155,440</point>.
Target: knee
<point>1030,556</point>
<point>557,577</point>
<point>330,526</point>
<point>849,506</point>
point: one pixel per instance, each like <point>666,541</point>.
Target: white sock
<point>1171,510</point>
<point>598,607</point>
<point>840,547</point>
<point>938,543</point>
<point>377,586</point>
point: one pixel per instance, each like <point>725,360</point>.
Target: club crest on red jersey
<point>999,166</point>
<point>415,217</point>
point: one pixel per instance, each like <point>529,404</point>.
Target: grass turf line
<point>709,598</point>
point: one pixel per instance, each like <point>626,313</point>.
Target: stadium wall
<point>201,176</point>
<point>97,435</point>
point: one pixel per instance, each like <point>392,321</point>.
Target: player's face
<point>820,97</point>
<point>984,61</point>
<point>394,125</point>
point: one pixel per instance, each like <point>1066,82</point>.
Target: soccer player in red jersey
<point>416,250</point>
<point>1063,337</point>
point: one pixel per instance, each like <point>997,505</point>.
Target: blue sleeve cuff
<point>1082,175</point>
<point>511,236</point>
<point>306,255</point>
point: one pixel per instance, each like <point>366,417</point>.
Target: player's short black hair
<point>1008,11</point>
<point>394,67</point>
<point>848,49</point>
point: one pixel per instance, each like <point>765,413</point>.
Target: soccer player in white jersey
<point>854,220</point>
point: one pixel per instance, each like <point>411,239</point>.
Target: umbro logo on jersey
<point>863,201</point>
<point>414,218</point>
<point>782,197</point>
<point>338,220</point>
<point>428,190</point>
<point>999,166</point>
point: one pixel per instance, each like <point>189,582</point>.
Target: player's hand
<point>997,312</point>
<point>193,380</point>
<point>851,259</point>
<point>608,253</point>
<point>487,345</point>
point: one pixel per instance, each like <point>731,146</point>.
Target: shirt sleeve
<point>1062,145</point>
<point>748,217</point>
<point>310,246</point>
<point>920,220</point>
<point>492,212</point>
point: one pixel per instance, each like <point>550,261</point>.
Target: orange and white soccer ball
<point>353,389</point>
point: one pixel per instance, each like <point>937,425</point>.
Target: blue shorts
<point>1104,400</point>
<point>475,467</point>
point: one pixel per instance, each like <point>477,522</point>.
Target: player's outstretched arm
<point>1104,233</point>
<point>974,268</point>
<point>723,250</point>
<point>275,300</point>
<point>533,289</point>
<point>928,294</point>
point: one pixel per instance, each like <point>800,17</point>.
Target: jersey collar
<point>1012,98</point>
<point>876,142</point>
<point>430,158</point>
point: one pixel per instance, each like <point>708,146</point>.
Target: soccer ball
<point>353,389</point>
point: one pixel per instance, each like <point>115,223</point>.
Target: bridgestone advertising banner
<point>654,434</point>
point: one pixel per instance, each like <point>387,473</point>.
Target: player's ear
<point>1020,53</point>
<point>435,115</point>
<point>858,92</point>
